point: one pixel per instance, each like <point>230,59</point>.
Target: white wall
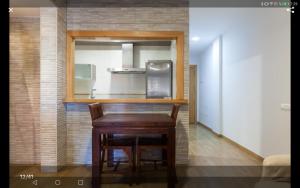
<point>141,54</point>
<point>209,96</point>
<point>255,73</point>
<point>256,80</point>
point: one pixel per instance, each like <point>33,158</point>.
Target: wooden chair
<point>145,143</point>
<point>111,142</point>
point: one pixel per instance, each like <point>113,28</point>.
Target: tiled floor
<point>208,149</point>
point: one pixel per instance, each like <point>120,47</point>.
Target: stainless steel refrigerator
<point>159,79</point>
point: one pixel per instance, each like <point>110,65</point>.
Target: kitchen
<point>111,66</point>
<point>117,68</point>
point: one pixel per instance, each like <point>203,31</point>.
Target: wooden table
<point>138,123</point>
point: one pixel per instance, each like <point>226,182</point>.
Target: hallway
<point>208,149</point>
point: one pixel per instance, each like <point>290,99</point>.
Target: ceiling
<point>205,23</point>
<point>25,12</point>
<point>28,8</point>
<point>208,24</point>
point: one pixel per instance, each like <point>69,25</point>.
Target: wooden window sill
<point>142,101</point>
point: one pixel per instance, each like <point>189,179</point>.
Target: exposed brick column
<point>52,88</point>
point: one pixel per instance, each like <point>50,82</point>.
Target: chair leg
<point>128,152</point>
<point>155,165</point>
<point>138,157</point>
<point>102,159</point>
<point>163,151</point>
<point>133,153</point>
<point>110,152</point>
<point>129,155</point>
<point>117,165</point>
<point>138,164</point>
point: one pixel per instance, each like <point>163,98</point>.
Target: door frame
<point>194,67</point>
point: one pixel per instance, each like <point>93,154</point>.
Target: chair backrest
<point>95,110</point>
<point>175,111</point>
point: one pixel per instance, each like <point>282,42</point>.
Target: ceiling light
<point>195,38</point>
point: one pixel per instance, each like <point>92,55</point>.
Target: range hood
<point>127,62</point>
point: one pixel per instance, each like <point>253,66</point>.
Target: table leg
<point>96,165</point>
<point>173,155</point>
<point>171,158</point>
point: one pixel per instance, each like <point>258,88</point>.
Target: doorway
<point>193,95</point>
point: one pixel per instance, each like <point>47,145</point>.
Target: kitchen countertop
<point>111,96</point>
<point>121,98</point>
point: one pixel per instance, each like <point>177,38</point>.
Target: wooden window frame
<point>151,35</point>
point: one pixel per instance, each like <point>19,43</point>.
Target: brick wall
<point>146,19</point>
<point>52,114</point>
<point>61,85</point>
<point>24,90</point>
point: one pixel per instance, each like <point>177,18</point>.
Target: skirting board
<point>206,127</point>
<point>233,142</point>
